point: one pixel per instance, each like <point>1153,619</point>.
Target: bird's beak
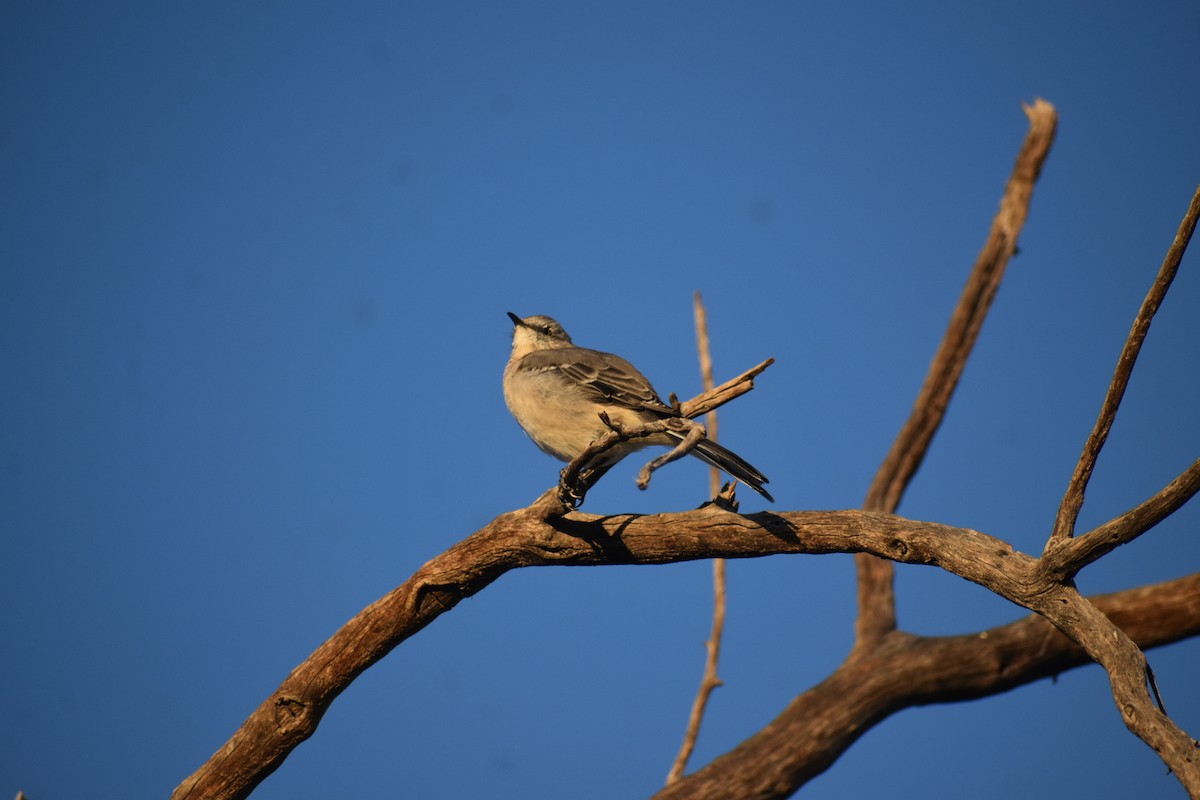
<point>516,320</point>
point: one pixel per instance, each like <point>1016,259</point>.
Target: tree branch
<point>1072,502</point>
<point>876,593</point>
<point>731,389</point>
<point>695,432</point>
<point>912,443</point>
<point>907,671</point>
<point>543,535</point>
<point>1128,674</point>
<point>710,680</point>
<point>1062,563</point>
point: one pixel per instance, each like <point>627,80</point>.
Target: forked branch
<point>1065,561</point>
<point>1072,502</point>
<point>908,671</point>
<point>876,593</point>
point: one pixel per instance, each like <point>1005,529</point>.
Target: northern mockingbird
<point>557,391</point>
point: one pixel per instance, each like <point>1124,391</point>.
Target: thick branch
<point>542,535</point>
<point>1127,671</point>
<point>912,443</point>
<point>876,594</point>
<point>1072,502</point>
<point>907,671</point>
<point>291,714</point>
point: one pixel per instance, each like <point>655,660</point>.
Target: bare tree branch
<point>543,535</point>
<point>695,432</point>
<point>1128,676</point>
<point>704,355</point>
<point>710,680</point>
<point>929,409</point>
<point>1072,502</point>
<point>876,593</point>
<point>733,388</point>
<point>783,756</point>
<point>1063,562</point>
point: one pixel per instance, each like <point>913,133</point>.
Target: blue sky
<point>254,271</point>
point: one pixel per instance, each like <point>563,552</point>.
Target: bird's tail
<point>728,461</point>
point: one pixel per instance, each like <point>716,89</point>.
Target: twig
<point>695,432</point>
<point>876,592</point>
<point>704,354</point>
<point>1072,502</point>
<point>710,680</point>
<point>729,390</point>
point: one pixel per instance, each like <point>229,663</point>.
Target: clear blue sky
<point>255,261</point>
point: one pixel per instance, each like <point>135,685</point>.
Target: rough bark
<point>541,535</point>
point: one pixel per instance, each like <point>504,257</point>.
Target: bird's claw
<point>569,495</point>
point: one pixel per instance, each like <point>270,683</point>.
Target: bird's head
<point>538,332</point>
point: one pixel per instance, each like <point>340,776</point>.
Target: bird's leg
<point>573,486</point>
<point>580,474</point>
<point>570,488</point>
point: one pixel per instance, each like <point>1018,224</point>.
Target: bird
<point>557,392</point>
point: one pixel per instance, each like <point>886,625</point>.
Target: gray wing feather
<point>601,376</point>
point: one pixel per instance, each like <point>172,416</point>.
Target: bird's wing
<point>602,377</point>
